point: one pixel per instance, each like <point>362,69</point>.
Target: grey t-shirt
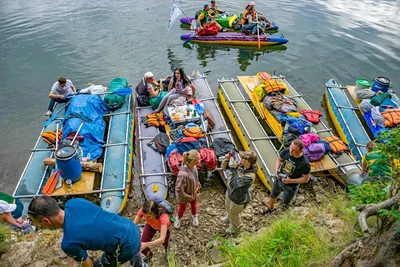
<point>62,90</point>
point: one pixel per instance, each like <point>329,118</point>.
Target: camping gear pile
<point>297,124</point>
<point>376,102</point>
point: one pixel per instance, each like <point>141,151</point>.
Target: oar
<point>46,123</point>
<point>258,33</point>
<point>121,92</point>
<point>51,183</point>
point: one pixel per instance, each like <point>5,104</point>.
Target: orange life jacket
<point>392,117</point>
<point>275,85</point>
<point>195,132</point>
<point>245,13</point>
<point>311,115</point>
<point>50,137</point>
<point>336,144</point>
<point>154,119</point>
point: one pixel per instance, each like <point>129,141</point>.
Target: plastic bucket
<point>362,84</point>
<point>68,163</point>
<point>381,84</point>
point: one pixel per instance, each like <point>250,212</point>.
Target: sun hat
<point>148,74</point>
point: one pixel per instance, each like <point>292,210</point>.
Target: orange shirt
<point>156,223</point>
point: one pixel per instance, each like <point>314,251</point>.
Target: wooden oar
<point>258,33</point>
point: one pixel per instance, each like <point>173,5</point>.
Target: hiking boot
<point>225,219</point>
<point>195,220</point>
<point>177,223</point>
<point>48,113</point>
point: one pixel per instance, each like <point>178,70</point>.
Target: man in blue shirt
<point>88,227</point>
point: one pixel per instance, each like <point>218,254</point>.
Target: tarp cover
<point>90,109</point>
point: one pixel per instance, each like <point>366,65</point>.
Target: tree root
<point>373,209</point>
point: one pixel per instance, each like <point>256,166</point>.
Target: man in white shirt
<point>59,92</point>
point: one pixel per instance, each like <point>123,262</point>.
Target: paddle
<point>51,183</point>
<point>46,123</point>
<point>258,33</point>
<point>190,38</point>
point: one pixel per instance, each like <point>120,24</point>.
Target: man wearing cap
<point>11,210</point>
<point>148,86</point>
<point>214,10</point>
<point>86,226</point>
<point>205,25</point>
<point>241,177</point>
<point>292,169</point>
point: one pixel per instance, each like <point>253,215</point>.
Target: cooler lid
<point>383,80</point>
<point>65,152</point>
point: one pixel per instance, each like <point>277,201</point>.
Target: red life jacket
<point>311,115</point>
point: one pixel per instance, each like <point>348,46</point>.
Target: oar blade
<point>123,91</point>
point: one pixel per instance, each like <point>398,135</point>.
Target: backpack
<point>154,119</point>
<point>160,143</point>
<point>166,207</point>
<point>287,139</point>
<point>223,146</point>
<point>379,99</point>
<point>195,132</point>
<point>143,100</point>
<point>185,144</point>
<point>315,151</point>
<point>208,159</point>
<point>210,119</point>
<point>174,160</point>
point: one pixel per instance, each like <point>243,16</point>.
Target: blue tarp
<point>90,109</point>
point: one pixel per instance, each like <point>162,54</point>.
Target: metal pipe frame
<point>92,192</point>
<point>117,113</point>
<point>116,144</point>
<point>105,155</point>
<point>127,129</point>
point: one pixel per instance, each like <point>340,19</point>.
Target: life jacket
<point>311,115</point>
<point>275,85</point>
<point>244,20</point>
<point>174,161</point>
<point>392,117</point>
<point>195,132</point>
<point>154,119</point>
<point>337,145</point>
<point>205,19</point>
<point>50,137</point>
<point>377,169</point>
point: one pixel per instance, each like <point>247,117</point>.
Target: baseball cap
<point>6,207</point>
<point>148,74</point>
<point>206,5</point>
<point>250,155</point>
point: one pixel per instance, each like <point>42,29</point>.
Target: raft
<point>344,168</point>
<point>236,38</point>
<point>152,167</point>
<point>345,119</point>
<point>111,186</point>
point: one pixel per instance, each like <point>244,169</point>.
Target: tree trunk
<point>375,251</point>
<point>86,166</point>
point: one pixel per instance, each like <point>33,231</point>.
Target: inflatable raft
<point>109,143</point>
<point>236,38</point>
<point>345,119</point>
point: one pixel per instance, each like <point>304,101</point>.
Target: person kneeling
<point>241,177</point>
<point>292,169</point>
<point>156,221</point>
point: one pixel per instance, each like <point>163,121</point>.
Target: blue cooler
<point>381,84</point>
<point>68,163</point>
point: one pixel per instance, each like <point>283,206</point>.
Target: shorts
<point>289,191</point>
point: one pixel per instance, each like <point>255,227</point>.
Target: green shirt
<point>7,198</point>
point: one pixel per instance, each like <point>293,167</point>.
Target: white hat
<point>252,3</point>
<point>6,207</point>
<point>148,74</point>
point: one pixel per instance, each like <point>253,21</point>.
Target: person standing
<point>242,176</point>
<point>59,92</point>
<point>156,221</point>
<point>89,227</point>
<point>292,169</point>
<point>187,187</point>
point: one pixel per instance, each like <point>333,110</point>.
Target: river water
<point>95,41</point>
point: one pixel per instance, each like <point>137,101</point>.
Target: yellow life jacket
<point>275,85</point>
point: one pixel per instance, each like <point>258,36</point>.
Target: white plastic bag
<point>377,117</point>
<point>366,105</point>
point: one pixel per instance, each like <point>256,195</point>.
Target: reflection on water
<point>244,54</point>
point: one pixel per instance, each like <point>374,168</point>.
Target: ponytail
<point>190,156</point>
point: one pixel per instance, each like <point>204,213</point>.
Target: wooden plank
<point>82,187</point>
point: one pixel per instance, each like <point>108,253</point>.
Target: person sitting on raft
<point>249,17</point>
<point>156,221</point>
<point>59,92</point>
<point>179,85</point>
<point>214,10</point>
<point>207,26</point>
<point>148,86</point>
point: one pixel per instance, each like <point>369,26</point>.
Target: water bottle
<point>69,183</point>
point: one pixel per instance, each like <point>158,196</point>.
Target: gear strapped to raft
<point>154,119</point>
<point>311,115</point>
<point>337,145</point>
<point>50,137</point>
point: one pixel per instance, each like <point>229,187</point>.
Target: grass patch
<point>291,239</point>
<point>5,238</point>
